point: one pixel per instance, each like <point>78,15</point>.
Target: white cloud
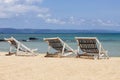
<point>3,15</point>
<point>54,21</point>
<point>8,1</point>
<point>76,21</point>
<point>44,16</point>
<point>12,8</point>
<point>101,22</point>
<point>48,18</point>
<point>20,1</point>
<point>9,8</point>
<point>33,1</point>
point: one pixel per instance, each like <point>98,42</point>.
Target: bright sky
<point>60,14</point>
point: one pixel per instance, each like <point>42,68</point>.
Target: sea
<point>110,41</point>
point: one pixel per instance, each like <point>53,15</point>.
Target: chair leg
<point>106,55</point>
<point>96,57</point>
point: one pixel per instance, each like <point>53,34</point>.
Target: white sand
<point>40,68</point>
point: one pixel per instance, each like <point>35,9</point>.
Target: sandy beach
<point>41,68</point>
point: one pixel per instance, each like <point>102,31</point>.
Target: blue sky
<point>60,14</point>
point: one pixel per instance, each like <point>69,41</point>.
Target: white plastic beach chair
<point>19,47</point>
<point>91,46</point>
<point>60,46</point>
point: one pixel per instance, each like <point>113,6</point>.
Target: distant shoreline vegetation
<point>38,31</point>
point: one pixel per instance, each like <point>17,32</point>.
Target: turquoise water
<point>110,41</point>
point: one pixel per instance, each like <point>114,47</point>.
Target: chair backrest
<point>88,45</point>
<point>12,42</point>
<point>56,43</point>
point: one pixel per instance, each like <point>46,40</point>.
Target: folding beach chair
<point>61,48</point>
<point>90,46</point>
<point>19,48</point>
